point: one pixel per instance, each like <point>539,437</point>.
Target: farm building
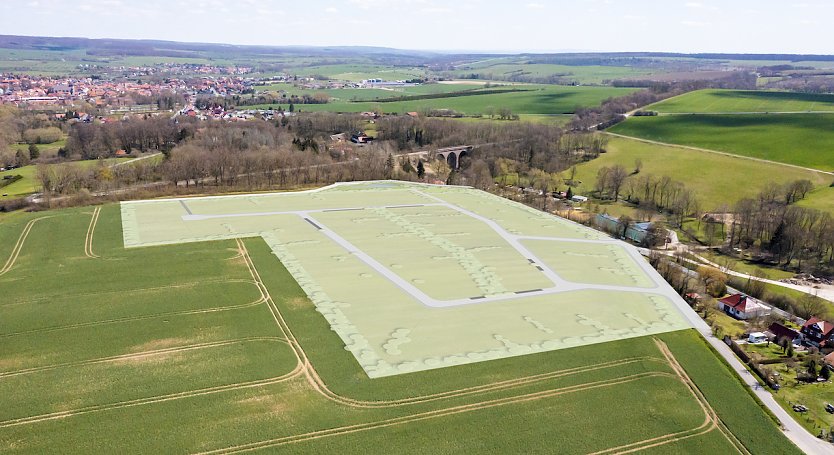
<point>741,306</point>
<point>636,232</point>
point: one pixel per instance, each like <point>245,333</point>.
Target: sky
<point>733,26</point>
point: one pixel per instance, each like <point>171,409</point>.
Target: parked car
<point>829,408</point>
<point>800,408</point>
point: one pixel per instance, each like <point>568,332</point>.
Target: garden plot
<point>414,277</point>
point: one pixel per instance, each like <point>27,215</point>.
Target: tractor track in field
<point>711,419</point>
<point>134,318</point>
<point>711,422</point>
<point>128,291</point>
<point>139,355</point>
<point>88,241</point>
<point>297,371</point>
<point>19,244</point>
<point>318,384</point>
<point>436,413</point>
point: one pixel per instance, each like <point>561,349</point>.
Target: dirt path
<point>88,241</point>
<point>19,245</point>
<point>698,149</point>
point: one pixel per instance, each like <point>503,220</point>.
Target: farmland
<point>585,75</point>
<point>704,172</point>
<point>226,335</point>
<point>540,100</point>
<point>718,101</point>
<point>800,139</point>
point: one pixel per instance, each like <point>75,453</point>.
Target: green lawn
<point>716,101</point>
<point>799,139</point>
<point>714,178</point>
<point>543,100</point>
<point>170,349</point>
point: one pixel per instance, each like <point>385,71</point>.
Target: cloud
<point>331,10</point>
<point>535,6</point>
<point>696,5</point>
<point>695,23</point>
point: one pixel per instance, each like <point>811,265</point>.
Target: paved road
<point>809,443</point>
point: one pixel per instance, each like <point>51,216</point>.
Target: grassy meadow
<point>718,101</point>
<point>175,348</point>
<point>799,139</point>
<point>716,179</point>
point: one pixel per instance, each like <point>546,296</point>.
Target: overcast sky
<point>752,26</point>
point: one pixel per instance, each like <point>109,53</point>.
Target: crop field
<point>800,139</point>
<point>543,100</point>
<point>718,101</point>
<point>590,74</point>
<point>703,172</point>
<point>359,72</point>
<point>213,347</point>
<point>370,94</point>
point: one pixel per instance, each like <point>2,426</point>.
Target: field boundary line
<point>152,400</point>
<point>88,241</point>
<point>438,413</point>
<point>18,246</point>
<point>137,355</point>
<point>718,152</point>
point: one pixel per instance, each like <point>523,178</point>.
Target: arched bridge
<point>452,155</point>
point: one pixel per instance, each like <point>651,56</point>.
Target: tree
<point>421,169</point>
<point>638,165</point>
<point>809,306</point>
<point>789,351</point>
<point>812,367</point>
<point>825,372</point>
<point>616,178</point>
<point>34,153</point>
<point>292,107</point>
<point>389,166</point>
<point>406,166</point>
<point>714,280</point>
<point>569,194</point>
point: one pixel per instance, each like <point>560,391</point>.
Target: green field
<point>717,101</point>
<point>355,73</point>
<point>714,177</point>
<point>223,352</point>
<point>543,100</point>
<point>800,139</point>
<point>506,67</point>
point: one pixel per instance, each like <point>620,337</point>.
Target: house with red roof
<point>818,332</point>
<point>780,332</point>
<point>741,306</point>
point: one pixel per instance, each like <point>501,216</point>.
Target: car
<point>829,408</point>
<point>800,408</point>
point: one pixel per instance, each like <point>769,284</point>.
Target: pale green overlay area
<point>414,276</point>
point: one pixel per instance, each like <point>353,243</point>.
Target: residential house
<point>741,306</point>
<point>817,332</point>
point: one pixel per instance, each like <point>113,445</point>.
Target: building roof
<point>782,332</point>
<point>823,326</point>
<point>742,303</point>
